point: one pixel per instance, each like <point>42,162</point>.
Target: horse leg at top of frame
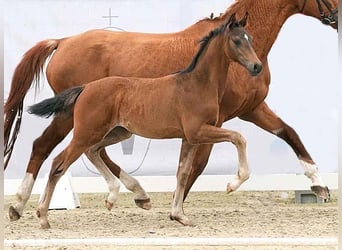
<point>41,149</point>
<point>264,117</point>
<point>177,212</point>
<point>141,198</point>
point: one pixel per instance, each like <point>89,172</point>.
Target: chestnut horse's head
<point>324,10</point>
<point>238,45</point>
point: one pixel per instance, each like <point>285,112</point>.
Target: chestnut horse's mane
<point>223,16</point>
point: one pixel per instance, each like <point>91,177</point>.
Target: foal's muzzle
<point>254,69</point>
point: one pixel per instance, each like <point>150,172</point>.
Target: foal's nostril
<point>254,68</point>
<point>257,68</point>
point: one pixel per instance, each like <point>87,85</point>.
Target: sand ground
<point>215,214</point>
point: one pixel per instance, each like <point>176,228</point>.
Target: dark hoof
<point>182,220</point>
<point>322,192</point>
<point>143,203</point>
<point>13,214</point>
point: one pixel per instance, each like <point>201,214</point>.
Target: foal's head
<point>238,45</point>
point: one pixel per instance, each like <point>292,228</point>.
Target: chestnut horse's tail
<point>27,73</point>
<point>62,103</point>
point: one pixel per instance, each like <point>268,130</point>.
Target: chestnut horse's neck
<point>266,17</point>
<point>265,21</point>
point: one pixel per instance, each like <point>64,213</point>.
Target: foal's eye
<point>237,41</point>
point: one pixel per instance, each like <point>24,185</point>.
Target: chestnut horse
<point>99,53</point>
<point>182,105</point>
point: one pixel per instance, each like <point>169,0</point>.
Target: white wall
<point>303,92</point>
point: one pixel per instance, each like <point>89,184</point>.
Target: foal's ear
<point>243,21</point>
<point>232,21</point>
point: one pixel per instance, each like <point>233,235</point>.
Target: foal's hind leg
<point>95,155</point>
<point>41,149</point>
<point>141,199</point>
<point>60,164</point>
<point>113,185</point>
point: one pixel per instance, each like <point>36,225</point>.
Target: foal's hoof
<point>45,226</point>
<point>143,203</point>
<point>44,223</point>
<point>230,188</point>
<point>109,205</point>
<point>322,192</point>
<point>182,220</point>
<point>13,214</point>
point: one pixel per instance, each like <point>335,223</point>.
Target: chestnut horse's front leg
<point>198,165</point>
<point>263,117</point>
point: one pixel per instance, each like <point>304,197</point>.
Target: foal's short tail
<point>27,72</point>
<point>63,103</point>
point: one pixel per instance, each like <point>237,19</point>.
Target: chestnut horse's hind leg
<point>263,117</point>
<point>42,147</point>
<point>199,163</point>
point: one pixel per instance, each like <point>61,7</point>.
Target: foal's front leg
<point>177,212</point>
<point>206,134</point>
<point>209,134</point>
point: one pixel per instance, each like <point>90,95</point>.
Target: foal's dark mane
<point>203,44</point>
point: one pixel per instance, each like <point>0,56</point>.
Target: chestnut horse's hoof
<point>182,220</point>
<point>13,214</point>
<point>322,192</point>
<point>109,205</point>
<point>143,203</point>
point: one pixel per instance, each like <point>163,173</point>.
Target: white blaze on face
<point>246,37</point>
